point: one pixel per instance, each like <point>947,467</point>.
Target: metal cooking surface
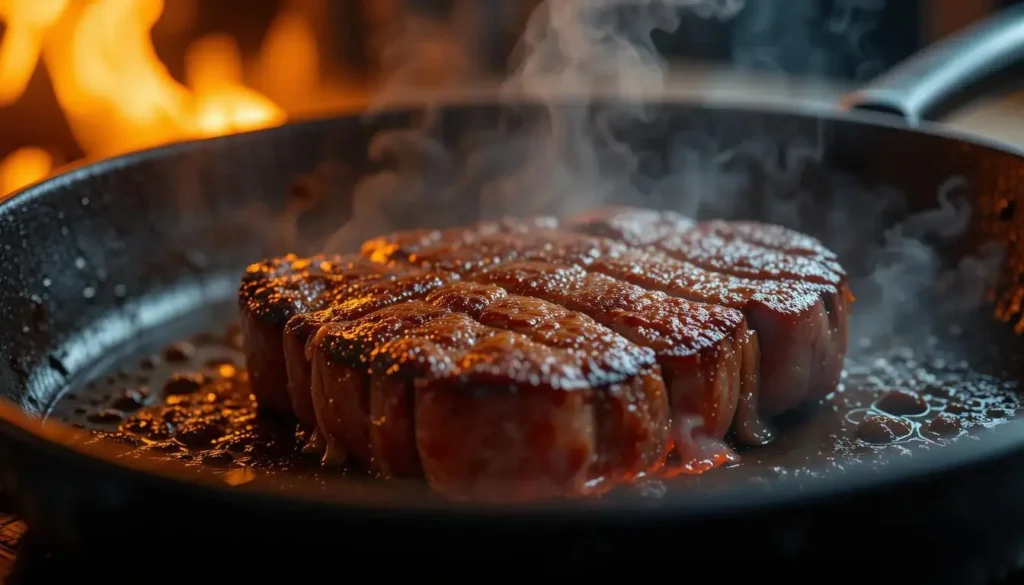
<point>182,396</point>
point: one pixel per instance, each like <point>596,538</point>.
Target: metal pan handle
<point>984,59</point>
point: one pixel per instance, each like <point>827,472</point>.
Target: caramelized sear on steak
<point>538,357</point>
<point>488,395</point>
<point>360,299</point>
<point>790,287</point>
<point>275,290</point>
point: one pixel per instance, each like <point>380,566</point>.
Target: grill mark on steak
<point>630,401</point>
<point>802,344</point>
<point>273,291</point>
<point>360,299</point>
<point>479,245</point>
<point>798,305</point>
<point>699,346</point>
<point>802,326</point>
<point>623,397</point>
<point>684,334</point>
<point>709,392</point>
<point>608,360</point>
<point>775,237</point>
<point>740,258</point>
<point>498,416</point>
<point>340,354</point>
<point>747,249</point>
<point>632,225</point>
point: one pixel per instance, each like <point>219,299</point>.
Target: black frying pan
<point>118,257</point>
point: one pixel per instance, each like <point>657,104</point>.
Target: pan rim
<point>58,439</point>
<point>70,172</point>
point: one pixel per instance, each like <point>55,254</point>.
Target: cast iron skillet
<point>111,254</point>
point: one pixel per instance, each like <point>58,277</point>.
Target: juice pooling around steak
<point>528,358</point>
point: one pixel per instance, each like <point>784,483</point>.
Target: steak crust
<point>273,291</point>
<point>790,287</point>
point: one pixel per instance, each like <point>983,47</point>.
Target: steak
<point>699,347</point>
<point>545,263</point>
<point>596,396</point>
<point>275,290</point>
<point>801,325</point>
<point>524,358</point>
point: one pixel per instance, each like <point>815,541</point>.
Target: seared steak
<point>275,290</point>
<point>699,347</point>
<point>790,287</point>
<point>360,298</point>
<point>535,357</point>
<point>614,413</point>
<point>801,325</point>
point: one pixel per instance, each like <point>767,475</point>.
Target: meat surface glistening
<point>539,357</point>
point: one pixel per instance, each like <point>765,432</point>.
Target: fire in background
<point>98,78</point>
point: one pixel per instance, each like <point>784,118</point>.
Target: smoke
<point>580,98</point>
<point>581,49</point>
<point>420,58</point>
<point>568,159</point>
<point>905,270</point>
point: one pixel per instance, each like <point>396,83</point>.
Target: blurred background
<point>96,78</point>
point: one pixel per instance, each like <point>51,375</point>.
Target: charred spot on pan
<point>106,416</point>
<point>181,384</point>
<point>130,400</point>
<point>880,429</point>
<point>901,402</point>
<point>149,426</point>
<point>179,352</point>
<point>200,433</point>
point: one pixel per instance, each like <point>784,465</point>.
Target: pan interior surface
<point>140,257</point>
<point>178,395</point>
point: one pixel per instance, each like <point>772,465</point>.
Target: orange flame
<point>24,167</point>
<point>116,93</point>
<point>27,22</point>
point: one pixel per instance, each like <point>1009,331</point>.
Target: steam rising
<point>599,56</point>
<point>578,48</point>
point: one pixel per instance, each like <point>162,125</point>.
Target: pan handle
<point>984,59</point>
